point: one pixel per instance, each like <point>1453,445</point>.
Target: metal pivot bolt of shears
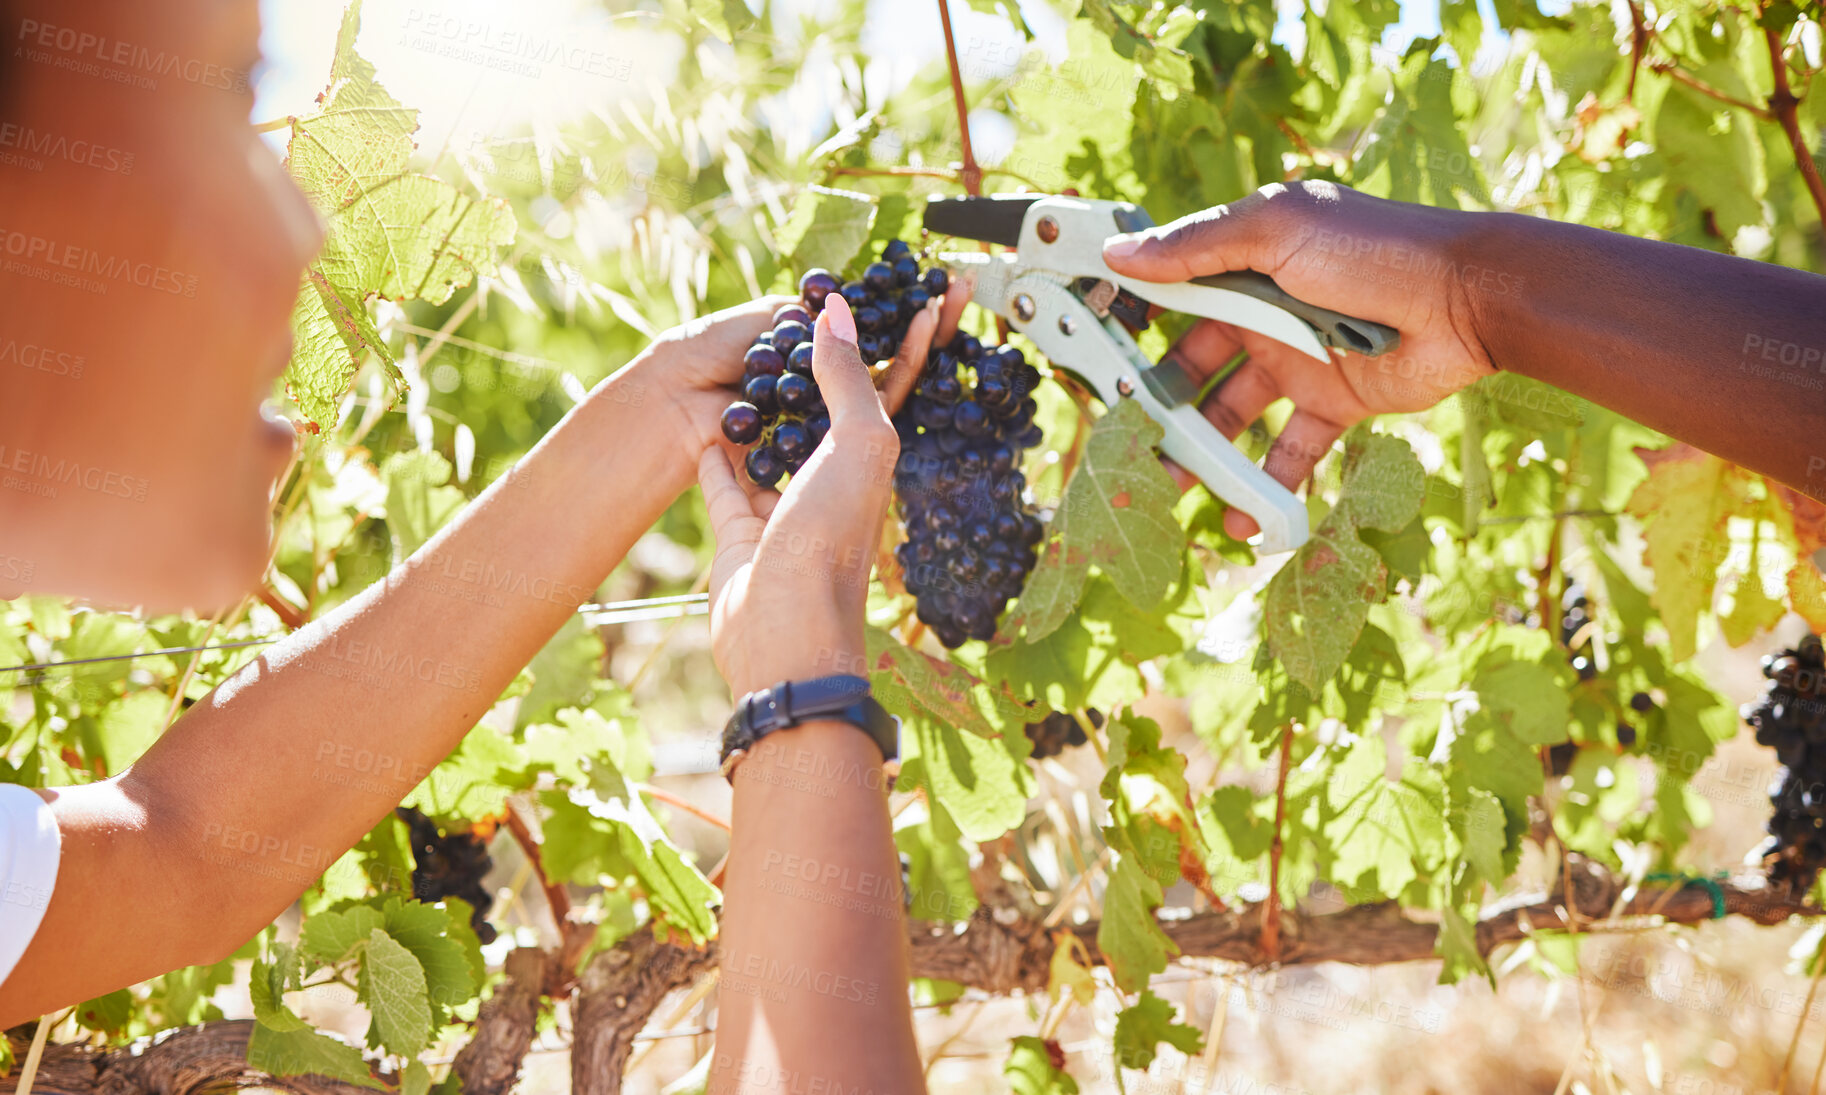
<point>1056,289</point>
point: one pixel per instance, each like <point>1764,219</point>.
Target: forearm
<point>1725,353</point>
<point>814,959</point>
<point>263,783</point>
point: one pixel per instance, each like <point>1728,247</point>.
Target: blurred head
<point>150,252</point>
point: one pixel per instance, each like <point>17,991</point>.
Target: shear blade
<point>992,220</point>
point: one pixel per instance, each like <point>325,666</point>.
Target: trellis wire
<point>611,612</point>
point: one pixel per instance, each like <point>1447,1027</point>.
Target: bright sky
<point>477,67</point>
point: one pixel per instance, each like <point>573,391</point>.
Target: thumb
<point>1211,241</point>
<point>837,366</point>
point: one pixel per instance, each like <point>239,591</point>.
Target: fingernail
<point>1121,247</point>
<point>838,318</point>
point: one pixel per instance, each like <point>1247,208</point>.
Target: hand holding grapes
<point>791,573</point>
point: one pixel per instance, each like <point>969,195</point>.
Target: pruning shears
<point>1056,289</point>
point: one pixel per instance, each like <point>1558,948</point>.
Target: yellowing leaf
<point>1686,503</point>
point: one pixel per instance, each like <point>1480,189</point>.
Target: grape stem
<point>971,175</point>
<point>675,802</point>
<point>1783,107</point>
<point>555,895</point>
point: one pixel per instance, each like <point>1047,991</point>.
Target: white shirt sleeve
<point>29,850</point>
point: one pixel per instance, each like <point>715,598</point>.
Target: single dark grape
<point>764,467</point>
<point>742,423</point>
<point>870,319</point>
<point>879,277</point>
<point>800,360</point>
<point>913,300</point>
<point>895,250</point>
<point>763,361</point>
<point>792,313</point>
<point>759,392</point>
<point>857,295</point>
<point>966,347</point>
<point>795,393</point>
<point>792,442</point>
<point>970,420</point>
<point>944,389</point>
<point>818,424</point>
<point>789,335</point>
<point>815,285</point>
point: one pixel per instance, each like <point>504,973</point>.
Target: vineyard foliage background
<point>1376,716</point>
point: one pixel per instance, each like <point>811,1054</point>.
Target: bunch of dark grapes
<point>1575,614</point>
<point>450,866</point>
<point>970,540</point>
<point>1791,719</point>
<point>781,413</point>
<point>1057,730</point>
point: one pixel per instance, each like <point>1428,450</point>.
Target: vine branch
<point>971,174</point>
<point>1673,71</point>
<point>1783,107</point>
<point>1271,915</point>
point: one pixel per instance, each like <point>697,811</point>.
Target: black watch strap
<point>842,697</point>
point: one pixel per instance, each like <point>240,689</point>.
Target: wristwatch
<point>842,697</point>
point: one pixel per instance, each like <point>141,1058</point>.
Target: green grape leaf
<point>331,936</point>
<point>1117,512</point>
<point>128,726</point>
<point>826,229</point>
<point>107,1013</point>
<point>268,984</point>
<point>723,18</point>
<point>1481,830</point>
<point>949,693</point>
<point>1232,827</point>
<point>1457,945</point>
<point>444,955</point>
<point>307,1053</point>
<point>1383,482</point>
<point>1090,660</point>
<point>392,985</point>
<point>606,829</point>
<point>392,233</point>
<point>1685,503</point>
<point>938,866</point>
<point>1383,834</point>
<point>1144,1025</point>
<point>1130,939</point>
<point>418,501</point>
<point>1319,601</point>
<point>983,783</point>
<point>415,1079</point>
<point>1526,697</point>
<point>1713,152</point>
<point>473,781</point>
<point>1032,1068</point>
